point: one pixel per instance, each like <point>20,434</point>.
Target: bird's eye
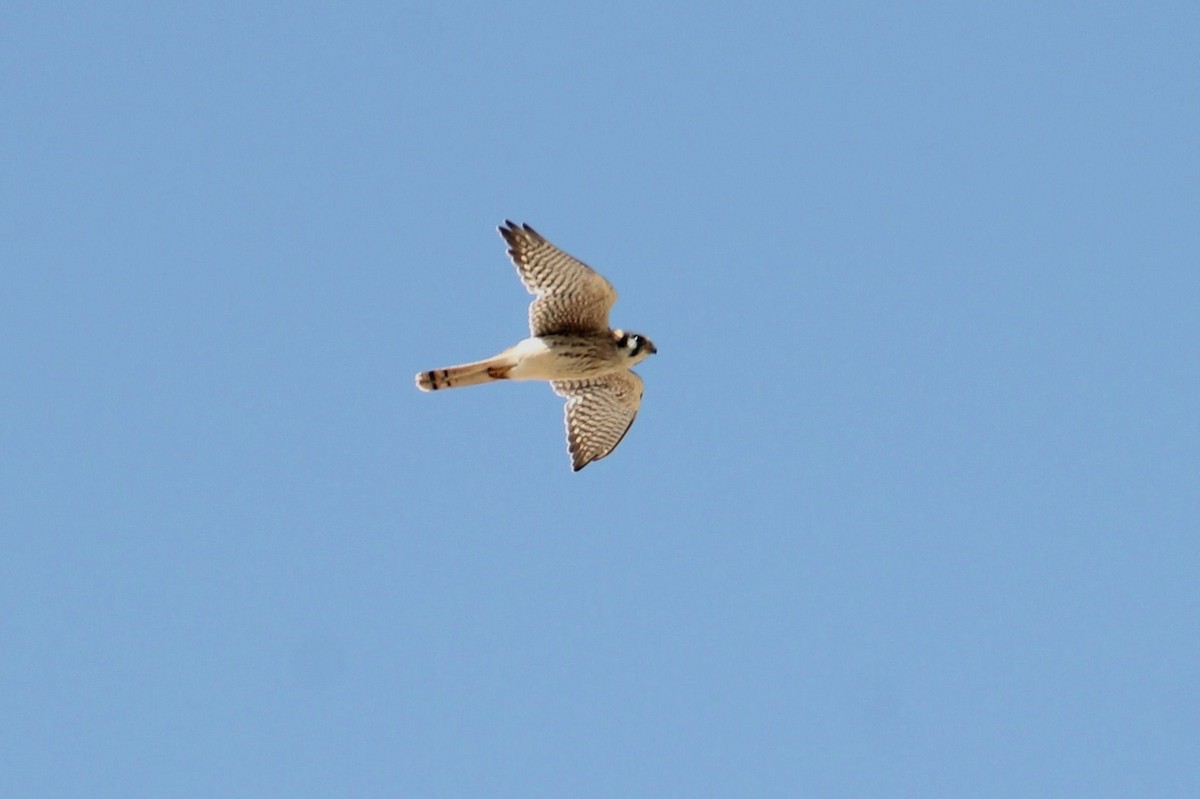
<point>622,341</point>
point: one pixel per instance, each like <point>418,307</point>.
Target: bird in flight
<point>570,344</point>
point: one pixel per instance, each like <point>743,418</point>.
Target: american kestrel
<point>570,345</point>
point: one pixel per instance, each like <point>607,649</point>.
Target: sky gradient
<point>910,508</point>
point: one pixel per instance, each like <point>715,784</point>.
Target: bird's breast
<point>564,358</point>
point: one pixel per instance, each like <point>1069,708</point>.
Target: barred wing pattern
<point>598,414</point>
<point>571,297</point>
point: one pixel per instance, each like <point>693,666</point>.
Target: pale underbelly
<point>535,360</point>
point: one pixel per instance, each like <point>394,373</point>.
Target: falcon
<point>570,345</point>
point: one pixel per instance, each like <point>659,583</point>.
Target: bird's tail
<point>468,374</point>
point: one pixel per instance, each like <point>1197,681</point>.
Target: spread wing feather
<point>598,414</point>
<point>570,296</point>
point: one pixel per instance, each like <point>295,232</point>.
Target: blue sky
<point>911,505</point>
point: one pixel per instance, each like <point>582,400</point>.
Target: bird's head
<point>636,347</point>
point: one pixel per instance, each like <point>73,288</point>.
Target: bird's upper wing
<point>598,414</point>
<point>571,297</point>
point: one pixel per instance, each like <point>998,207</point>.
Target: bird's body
<point>562,357</point>
<point>571,346</point>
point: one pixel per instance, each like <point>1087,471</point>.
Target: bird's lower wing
<point>598,414</point>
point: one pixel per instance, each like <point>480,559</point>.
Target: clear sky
<point>911,507</point>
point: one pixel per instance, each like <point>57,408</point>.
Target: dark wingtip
<point>577,461</point>
<point>510,230</point>
<point>509,235</point>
